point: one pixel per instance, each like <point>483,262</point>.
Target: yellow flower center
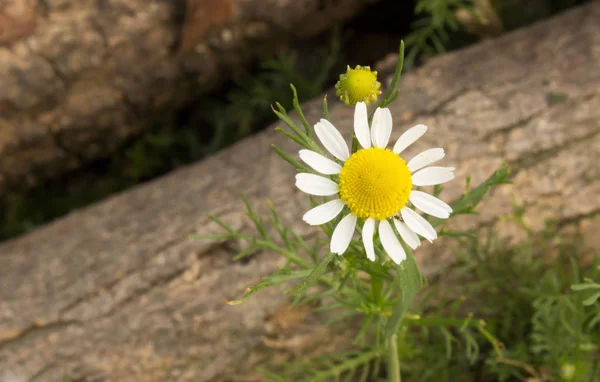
<point>358,85</point>
<point>375,183</point>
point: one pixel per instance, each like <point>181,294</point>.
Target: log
<point>79,78</point>
<point>119,292</point>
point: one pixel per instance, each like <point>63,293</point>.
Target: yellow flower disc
<point>358,85</point>
<point>375,183</point>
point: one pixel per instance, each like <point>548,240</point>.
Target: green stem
<point>389,94</point>
<point>376,287</point>
<point>393,361</point>
<point>296,103</point>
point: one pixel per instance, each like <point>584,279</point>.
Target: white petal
<point>332,139</point>
<point>320,163</point>
<point>324,213</point>
<point>390,242</point>
<point>407,234</point>
<point>375,122</point>
<point>361,125</point>
<point>430,204</point>
<point>409,137</point>
<point>367,235</point>
<point>342,234</point>
<point>418,224</point>
<point>316,185</point>
<point>430,176</point>
<point>381,127</point>
<point>425,158</point>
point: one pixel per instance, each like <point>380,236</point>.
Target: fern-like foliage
<point>436,19</point>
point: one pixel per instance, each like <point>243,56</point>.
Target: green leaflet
<point>281,276</point>
<point>313,277</point>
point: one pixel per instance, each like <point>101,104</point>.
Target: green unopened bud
<point>358,85</point>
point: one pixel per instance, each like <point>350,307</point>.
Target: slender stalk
<point>376,287</point>
<point>296,104</point>
<point>389,94</point>
<point>392,93</point>
<point>393,368</point>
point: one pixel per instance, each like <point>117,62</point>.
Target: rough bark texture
<point>79,77</point>
<point>118,292</point>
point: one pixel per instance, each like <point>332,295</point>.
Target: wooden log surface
<point>78,78</point>
<point>118,292</point>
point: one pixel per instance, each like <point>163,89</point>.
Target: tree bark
<point>78,78</point>
<point>119,292</point>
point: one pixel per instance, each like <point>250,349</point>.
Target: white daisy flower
<point>375,184</point>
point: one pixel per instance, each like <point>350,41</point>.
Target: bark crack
<point>508,128</point>
<point>577,218</point>
<point>36,327</point>
<point>439,108</point>
<point>109,286</point>
<point>40,372</point>
<point>142,291</point>
<point>534,158</point>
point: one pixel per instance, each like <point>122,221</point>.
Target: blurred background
<point>204,78</point>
